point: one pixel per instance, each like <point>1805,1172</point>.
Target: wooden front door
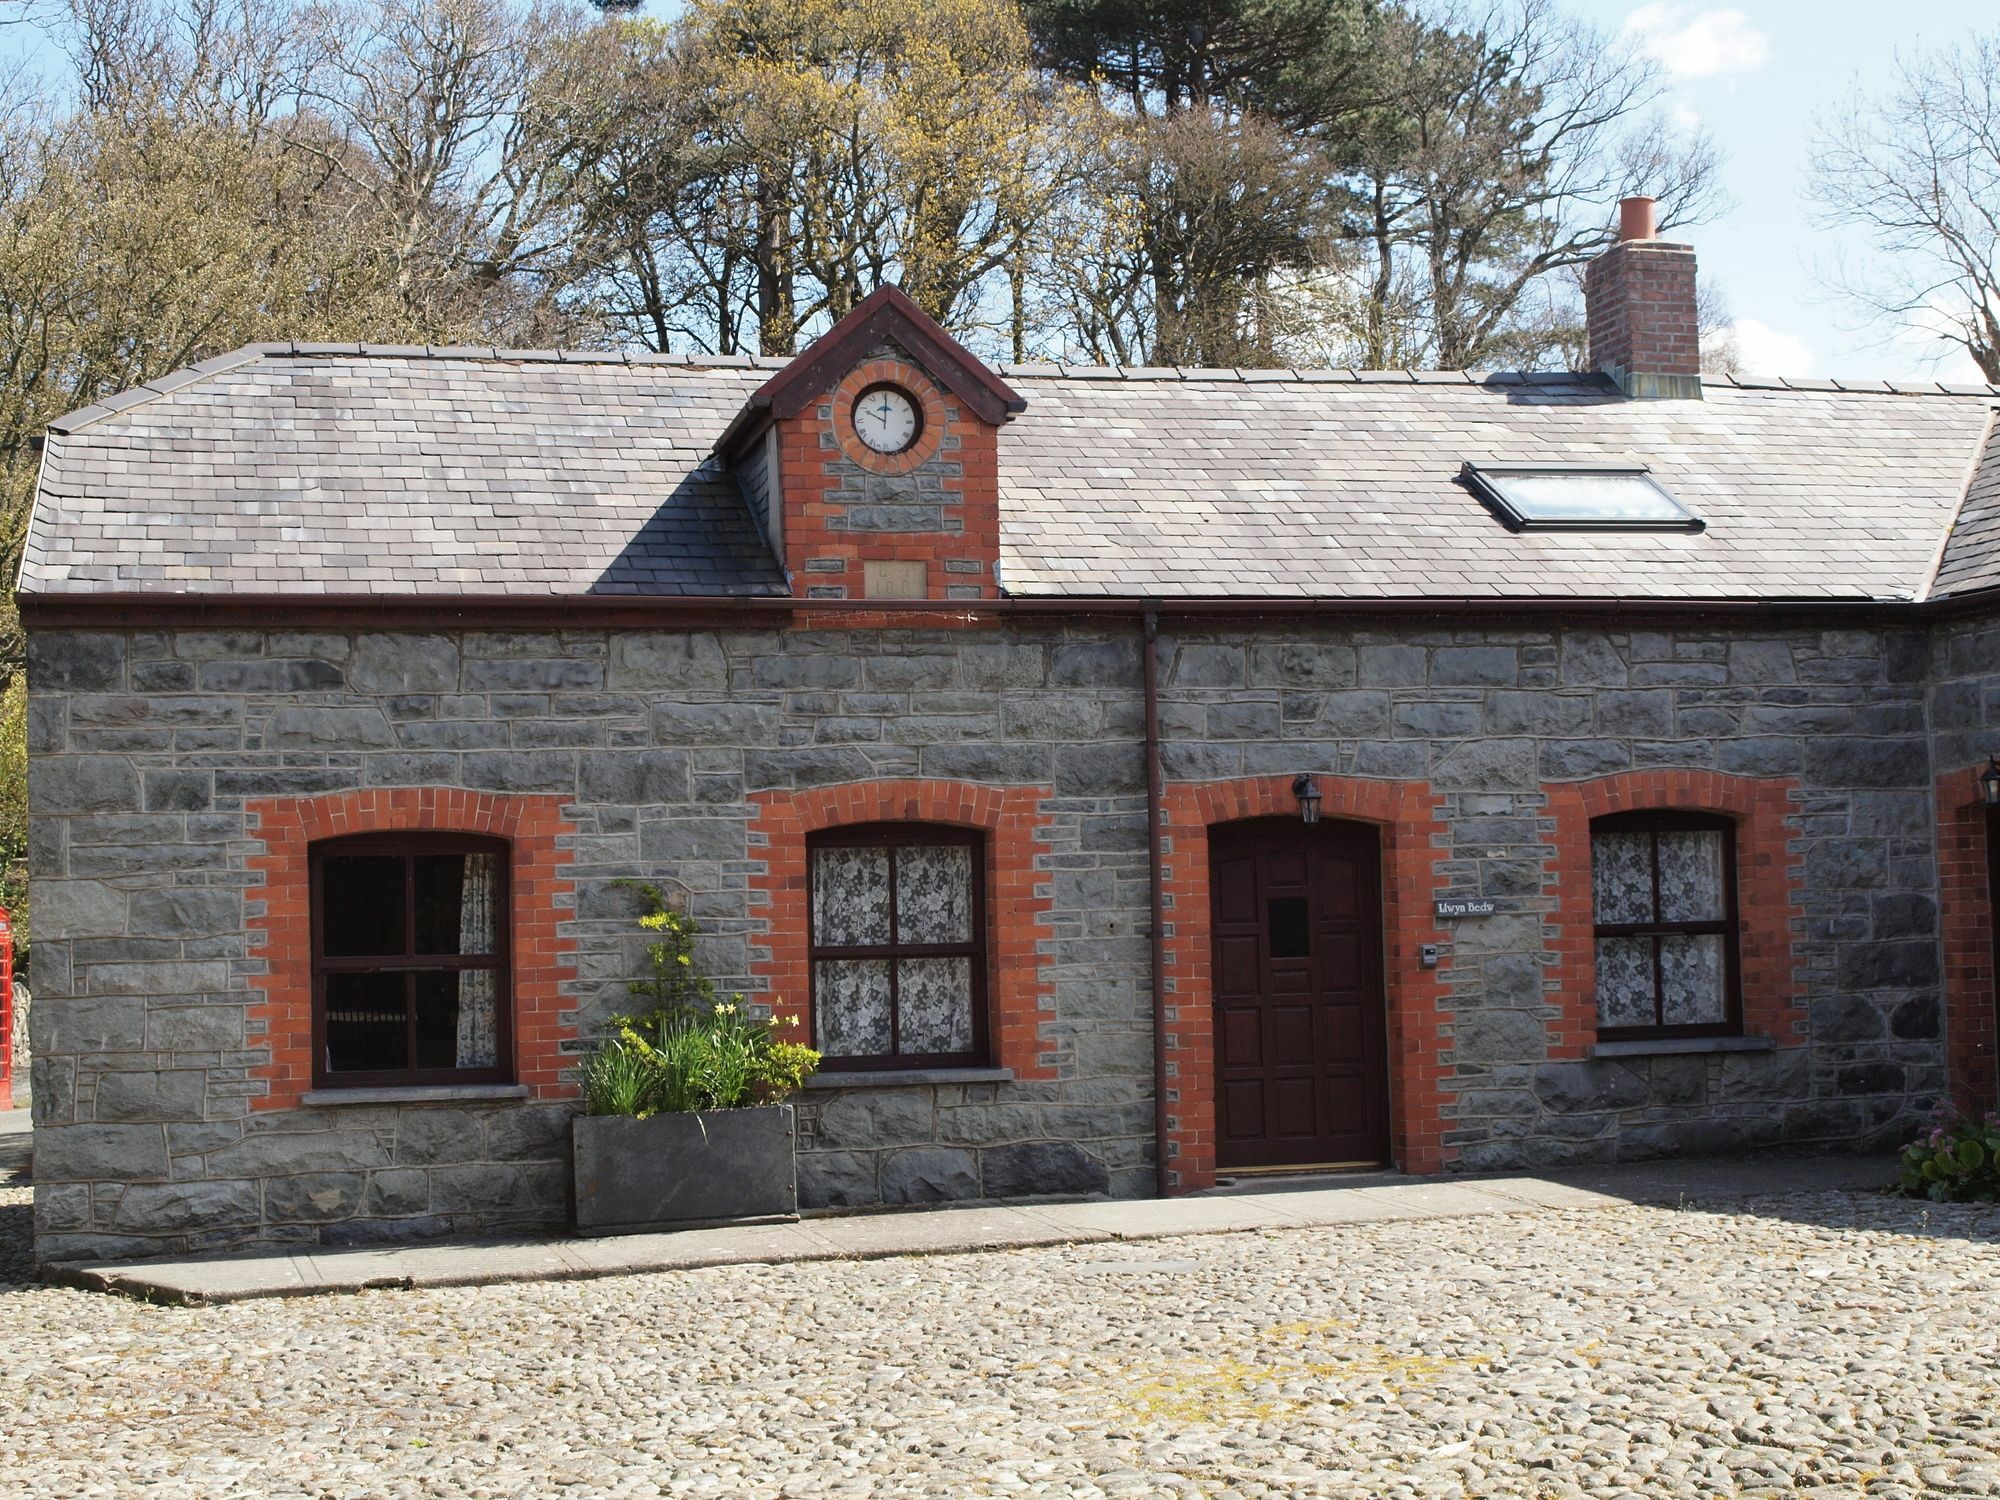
<point>1301,1030</point>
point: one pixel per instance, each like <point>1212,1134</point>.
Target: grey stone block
<point>837,1179</point>
<point>396,1193</point>
<point>636,777</point>
<point>312,727</point>
<point>1391,666</point>
<point>872,1118</point>
<point>1836,761</point>
<point>1499,1036</point>
<point>82,784</point>
<point>98,1023</point>
<point>76,908</point>
<point>1474,666</point>
<point>403,663</point>
<point>1580,1087</point>
<point>100,1153</point>
<point>1895,966</point>
<point>74,661</point>
<point>179,1094</point>
<point>313,1197</point>
<point>178,1207</point>
<point>1488,766</point>
<point>667,659</point>
<point>928,1175</point>
<point>1589,659</point>
<point>276,1153</point>
<point>1041,1169</point>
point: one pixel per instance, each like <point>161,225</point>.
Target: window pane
<point>850,898</point>
<point>934,894</point>
<point>437,1020</point>
<point>851,1007</point>
<point>366,1026</point>
<point>363,905</point>
<point>1691,875</point>
<point>934,1005</point>
<point>1583,497</point>
<point>1621,876</point>
<point>1625,981</point>
<point>1291,931</point>
<point>458,902</point>
<point>1691,991</point>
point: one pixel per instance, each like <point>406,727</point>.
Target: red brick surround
<point>1770,883</point>
<point>812,446</point>
<point>1407,814</point>
<point>1018,934</point>
<point>544,1018</point>
<point>1965,922</point>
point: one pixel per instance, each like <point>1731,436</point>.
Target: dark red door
<point>1302,1057</point>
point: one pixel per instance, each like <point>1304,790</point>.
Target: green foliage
<point>1956,1161</point>
<point>688,1051</point>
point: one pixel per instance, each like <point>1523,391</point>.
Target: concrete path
<point>17,1144</point>
<point>1295,1203</point>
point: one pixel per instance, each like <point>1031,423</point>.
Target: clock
<point>887,418</point>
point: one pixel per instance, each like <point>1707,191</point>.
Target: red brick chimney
<point>1639,303</point>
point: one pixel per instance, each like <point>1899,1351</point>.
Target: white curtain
<point>478,927</point>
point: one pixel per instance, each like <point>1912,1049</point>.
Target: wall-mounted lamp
<point>1989,781</point>
<point>1307,791</point>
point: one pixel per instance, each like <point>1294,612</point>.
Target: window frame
<point>409,845</point>
<point>1728,925</point>
<point>1486,480</point>
<point>893,836</point>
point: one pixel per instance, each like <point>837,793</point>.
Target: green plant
<point>688,1051</point>
<point>1956,1161</point>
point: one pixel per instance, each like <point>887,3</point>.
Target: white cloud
<point>1697,44</point>
<point>1765,350</point>
<point>1686,119</point>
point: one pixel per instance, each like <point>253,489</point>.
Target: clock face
<point>886,419</point>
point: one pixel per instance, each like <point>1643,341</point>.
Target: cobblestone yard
<point>1824,1345</point>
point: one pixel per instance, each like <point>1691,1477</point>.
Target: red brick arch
<point>281,921</point>
<point>1965,924</point>
<point>1770,884</point>
<point>1019,933</point>
<point>1408,816</point>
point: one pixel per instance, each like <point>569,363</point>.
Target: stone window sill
<point>897,1078</point>
<point>441,1093</point>
<point>1667,1046</point>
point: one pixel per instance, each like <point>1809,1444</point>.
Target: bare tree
<point>1492,158</point>
<point>1917,171</point>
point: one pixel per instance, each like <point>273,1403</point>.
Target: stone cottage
<point>1130,777</point>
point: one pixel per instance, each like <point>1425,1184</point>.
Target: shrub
<point>688,1051</point>
<point>1956,1161</point>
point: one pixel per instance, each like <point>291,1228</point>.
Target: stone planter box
<point>724,1166</point>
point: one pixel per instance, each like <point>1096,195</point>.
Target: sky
<point>1756,74</point>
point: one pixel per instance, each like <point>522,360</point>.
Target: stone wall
<point>147,744</point>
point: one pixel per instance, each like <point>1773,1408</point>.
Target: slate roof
<point>1971,556</point>
<point>386,474</point>
<point>321,469</point>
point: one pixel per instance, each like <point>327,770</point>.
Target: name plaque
<point>1467,907</point>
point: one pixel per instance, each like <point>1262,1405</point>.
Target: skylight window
<point>1579,497</point>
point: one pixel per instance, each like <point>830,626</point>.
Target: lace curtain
<point>1670,876</point>
<point>890,1004</point>
<point>478,930</point>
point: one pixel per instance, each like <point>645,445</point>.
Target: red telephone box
<point>6,1010</point>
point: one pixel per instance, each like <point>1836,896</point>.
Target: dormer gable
<point>872,459</point>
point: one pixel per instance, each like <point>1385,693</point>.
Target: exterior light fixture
<point>1307,791</point>
<point>1989,781</point>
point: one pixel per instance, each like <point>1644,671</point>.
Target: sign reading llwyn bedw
<point>1468,906</point>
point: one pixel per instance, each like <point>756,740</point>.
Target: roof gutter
<point>148,609</point>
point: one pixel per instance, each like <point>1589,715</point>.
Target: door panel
<point>1301,1029</point>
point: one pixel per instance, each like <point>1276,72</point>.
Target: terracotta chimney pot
<point>1635,219</point>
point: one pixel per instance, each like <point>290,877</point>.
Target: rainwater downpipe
<point>1155,789</point>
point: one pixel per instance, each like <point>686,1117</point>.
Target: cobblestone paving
<point>1825,1345</point>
